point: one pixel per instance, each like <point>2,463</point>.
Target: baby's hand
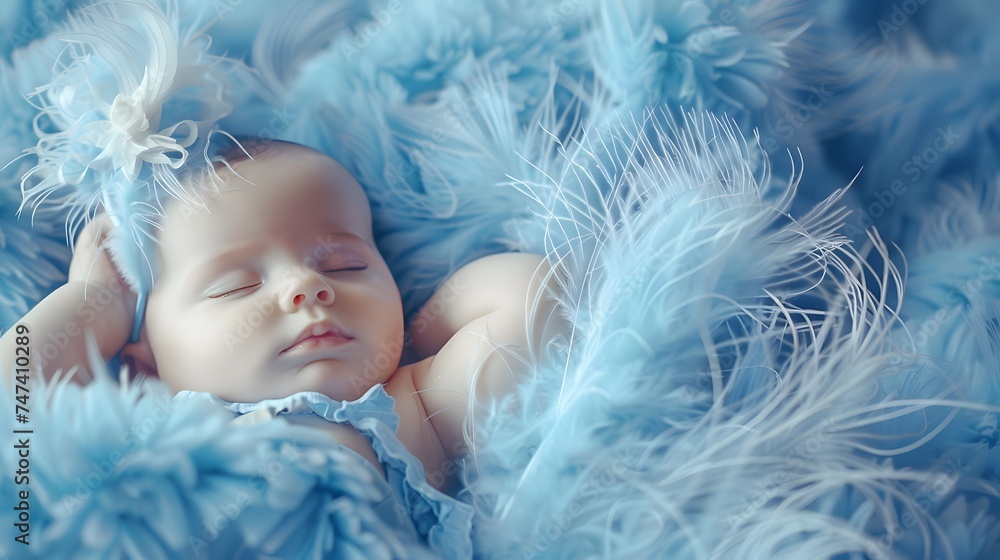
<point>95,299</point>
<point>92,263</point>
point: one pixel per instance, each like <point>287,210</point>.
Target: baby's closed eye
<point>346,268</point>
<point>236,291</point>
<point>232,288</point>
<point>232,284</point>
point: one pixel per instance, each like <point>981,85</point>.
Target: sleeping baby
<point>273,300</point>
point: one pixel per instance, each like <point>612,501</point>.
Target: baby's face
<point>241,283</point>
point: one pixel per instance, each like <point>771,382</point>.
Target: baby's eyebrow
<point>234,253</point>
<point>329,243</point>
<point>210,265</point>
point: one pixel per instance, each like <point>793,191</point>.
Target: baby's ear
<point>138,356</point>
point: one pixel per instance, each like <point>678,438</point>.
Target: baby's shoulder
<point>401,383</point>
<point>415,431</point>
<point>402,387</point>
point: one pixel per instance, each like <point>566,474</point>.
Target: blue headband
<point>139,317</point>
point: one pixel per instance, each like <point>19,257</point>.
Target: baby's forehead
<point>269,171</point>
<point>291,187</point>
<point>212,216</point>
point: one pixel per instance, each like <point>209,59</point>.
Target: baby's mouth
<point>322,341</point>
<point>318,336</point>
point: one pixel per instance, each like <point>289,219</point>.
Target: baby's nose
<point>311,290</point>
<point>320,296</point>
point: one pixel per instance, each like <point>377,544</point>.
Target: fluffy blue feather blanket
<point>777,224</point>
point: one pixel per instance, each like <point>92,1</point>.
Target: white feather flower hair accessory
<point>126,118</point>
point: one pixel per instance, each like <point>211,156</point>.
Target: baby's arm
<point>484,304</point>
<point>93,299</point>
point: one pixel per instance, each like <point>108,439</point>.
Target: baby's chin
<point>332,381</point>
<point>338,380</point>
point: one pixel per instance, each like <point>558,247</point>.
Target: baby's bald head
<point>253,163</point>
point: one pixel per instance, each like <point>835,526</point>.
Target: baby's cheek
<point>224,338</point>
<point>190,345</point>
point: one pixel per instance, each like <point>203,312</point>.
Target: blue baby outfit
<point>442,522</point>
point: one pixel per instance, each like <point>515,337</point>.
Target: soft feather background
<point>753,372</point>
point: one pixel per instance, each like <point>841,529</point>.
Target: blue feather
<point>691,280</point>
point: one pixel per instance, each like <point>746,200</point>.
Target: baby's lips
<point>315,329</point>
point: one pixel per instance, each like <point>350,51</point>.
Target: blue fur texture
<point>775,225</point>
